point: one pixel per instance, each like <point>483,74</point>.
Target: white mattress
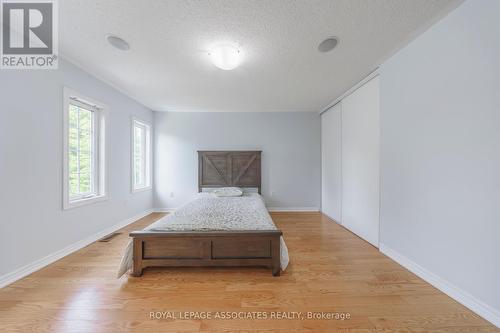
<point>210,213</point>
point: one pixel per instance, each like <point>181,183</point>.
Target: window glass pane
<point>85,183</point>
<point>73,151</point>
<point>137,141</point>
<point>85,138</point>
<point>138,135</point>
<point>73,116</point>
<point>80,151</point>
<point>140,155</point>
<point>85,120</point>
<point>73,139</point>
<point>73,184</point>
<point>137,171</point>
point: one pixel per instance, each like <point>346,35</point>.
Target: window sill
<point>142,189</point>
<point>84,202</point>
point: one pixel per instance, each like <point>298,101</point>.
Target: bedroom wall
<point>32,222</point>
<point>440,155</point>
<point>290,144</point>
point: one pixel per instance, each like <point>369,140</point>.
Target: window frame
<point>100,149</point>
<point>148,160</point>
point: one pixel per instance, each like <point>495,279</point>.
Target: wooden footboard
<point>212,248</point>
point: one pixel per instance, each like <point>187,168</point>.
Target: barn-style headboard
<point>229,168</point>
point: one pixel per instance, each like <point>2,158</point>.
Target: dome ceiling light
<point>225,56</point>
<point>118,42</point>
<point>328,44</point>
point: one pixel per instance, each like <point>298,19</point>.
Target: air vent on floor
<point>109,237</point>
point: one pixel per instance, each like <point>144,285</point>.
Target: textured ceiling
<point>168,69</point>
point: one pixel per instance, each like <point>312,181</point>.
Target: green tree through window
<point>141,155</point>
<point>81,151</point>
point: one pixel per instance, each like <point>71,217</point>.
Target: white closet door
<point>330,163</point>
<point>360,161</point>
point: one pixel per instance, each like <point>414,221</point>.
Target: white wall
<point>440,189</point>
<point>290,144</point>
<point>331,164</point>
<point>361,161</point>
<point>32,222</point>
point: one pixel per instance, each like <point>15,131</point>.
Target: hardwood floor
<point>331,270</point>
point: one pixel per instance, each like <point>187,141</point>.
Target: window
<point>141,156</point>
<point>84,148</point>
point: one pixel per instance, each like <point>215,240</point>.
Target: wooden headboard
<point>229,168</point>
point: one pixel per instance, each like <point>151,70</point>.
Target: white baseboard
<point>19,273</point>
<point>164,210</point>
<point>293,209</point>
<point>331,218</point>
<point>482,309</point>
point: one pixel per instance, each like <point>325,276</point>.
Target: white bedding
<point>228,192</point>
<point>210,213</point>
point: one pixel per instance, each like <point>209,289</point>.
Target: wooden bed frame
<point>213,248</point>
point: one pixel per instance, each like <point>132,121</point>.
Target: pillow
<point>228,192</point>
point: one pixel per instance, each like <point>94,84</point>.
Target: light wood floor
<point>331,270</point>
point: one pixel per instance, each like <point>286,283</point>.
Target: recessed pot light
<point>328,44</point>
<point>225,56</point>
<point>118,42</point>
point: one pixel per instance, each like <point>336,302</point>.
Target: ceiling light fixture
<point>225,56</point>
<point>328,44</point>
<point>118,42</point>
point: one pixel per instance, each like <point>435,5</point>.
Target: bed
<point>211,230</point>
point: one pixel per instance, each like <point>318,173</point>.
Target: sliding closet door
<point>360,161</point>
<point>330,163</point>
